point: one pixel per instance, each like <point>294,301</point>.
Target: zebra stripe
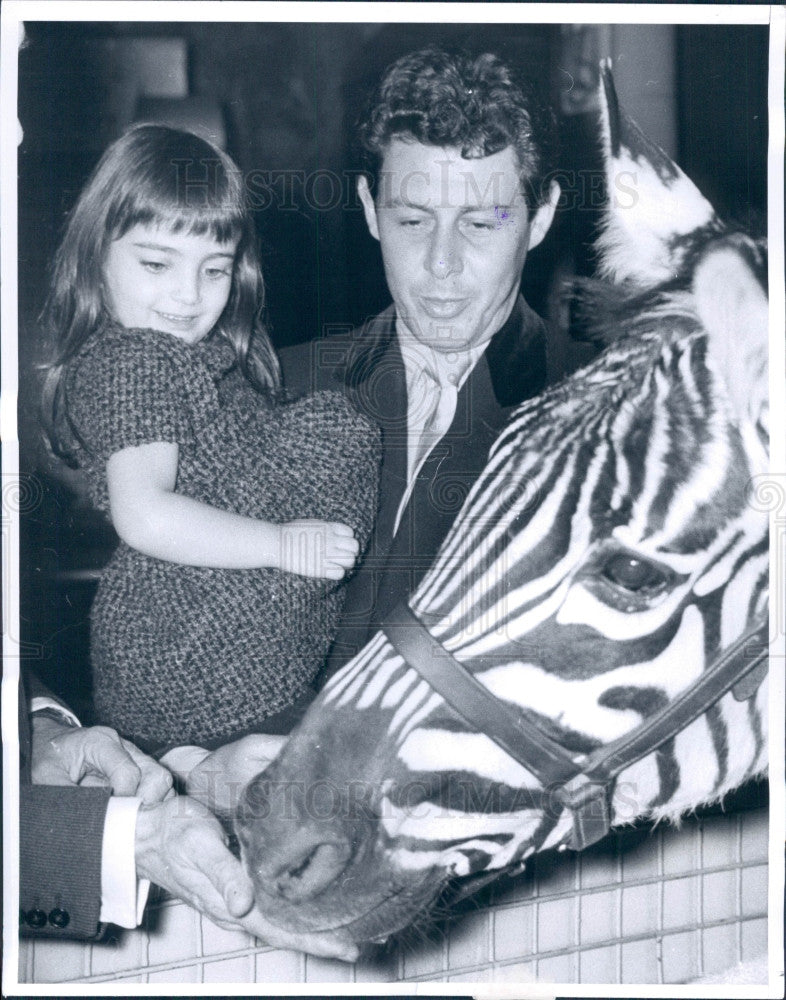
<point>634,457</point>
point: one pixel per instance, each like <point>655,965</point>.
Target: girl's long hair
<point>159,176</point>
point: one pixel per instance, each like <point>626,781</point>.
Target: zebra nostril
<point>313,871</point>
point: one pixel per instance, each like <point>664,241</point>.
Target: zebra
<point>607,555</point>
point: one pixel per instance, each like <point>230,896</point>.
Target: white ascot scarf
<point>434,379</point>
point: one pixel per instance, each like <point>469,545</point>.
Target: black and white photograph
<point>413,636</point>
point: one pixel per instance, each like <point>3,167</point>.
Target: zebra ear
<point>652,206</point>
<point>733,308</point>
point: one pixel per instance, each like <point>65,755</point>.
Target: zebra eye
<point>631,573</point>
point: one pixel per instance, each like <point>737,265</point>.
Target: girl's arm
<point>150,517</point>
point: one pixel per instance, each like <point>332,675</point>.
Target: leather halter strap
<point>582,786</point>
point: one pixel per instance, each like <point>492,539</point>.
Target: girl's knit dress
<point>183,654</point>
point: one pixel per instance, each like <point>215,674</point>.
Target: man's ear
<point>369,208</point>
<point>544,216</point>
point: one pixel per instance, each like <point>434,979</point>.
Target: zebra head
<point>608,553</point>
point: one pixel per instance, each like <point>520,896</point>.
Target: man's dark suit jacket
<point>367,364</point>
<point>61,832</point>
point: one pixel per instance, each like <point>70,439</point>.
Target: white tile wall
<point>179,974</point>
<point>754,890</point>
<point>121,952</point>
<point>719,948</point>
<point>641,907</point>
<point>599,918</point>
<point>326,970</point>
<point>641,961</point>
<point>753,837</point>
<point>275,966</point>
<point>173,932</point>
<point>680,957</point>
<point>718,889</point>
<point>558,969</point>
<point>681,849</point>
<point>598,965</point>
<point>514,932</point>
<point>556,924</point>
<point>680,902</point>
<point>753,939</point>
<point>229,970</point>
<point>517,972</point>
<point>60,961</point>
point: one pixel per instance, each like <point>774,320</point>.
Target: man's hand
<point>95,755</point>
<point>181,847</point>
<point>221,776</point>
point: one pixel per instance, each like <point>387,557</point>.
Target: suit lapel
<point>377,386</point>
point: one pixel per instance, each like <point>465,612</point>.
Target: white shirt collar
<point>448,368</point>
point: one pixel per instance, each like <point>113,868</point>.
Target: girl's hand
<point>317,548</point>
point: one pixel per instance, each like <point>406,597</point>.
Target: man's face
<point>454,234</point>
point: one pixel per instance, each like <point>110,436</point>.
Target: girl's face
<point>177,283</point>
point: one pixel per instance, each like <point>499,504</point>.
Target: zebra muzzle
<point>305,865</point>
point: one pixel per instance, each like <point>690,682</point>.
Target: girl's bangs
<point>196,208</point>
<point>221,225</point>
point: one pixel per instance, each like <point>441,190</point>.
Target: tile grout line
<point>738,892</point>
<point>552,953</point>
<point>699,852</point>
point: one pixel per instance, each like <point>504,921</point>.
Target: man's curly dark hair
<point>477,104</point>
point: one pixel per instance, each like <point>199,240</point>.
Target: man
<point>459,158</point>
<point>97,815</point>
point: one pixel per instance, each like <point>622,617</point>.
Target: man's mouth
<point>443,308</point>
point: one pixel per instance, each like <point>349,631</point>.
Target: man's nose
<point>443,256</point>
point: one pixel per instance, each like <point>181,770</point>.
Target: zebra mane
<point>607,310</point>
<point>608,313</point>
<point>633,327</point>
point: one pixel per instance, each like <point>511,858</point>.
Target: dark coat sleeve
<point>61,833</point>
<point>60,837</point>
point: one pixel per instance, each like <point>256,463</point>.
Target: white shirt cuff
<point>123,896</point>
<point>39,702</point>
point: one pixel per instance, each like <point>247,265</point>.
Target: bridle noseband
<point>584,787</point>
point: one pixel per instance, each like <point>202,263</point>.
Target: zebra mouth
<point>394,912</point>
<point>370,913</point>
<point>397,911</point>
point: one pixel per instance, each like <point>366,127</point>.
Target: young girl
<point>165,390</point>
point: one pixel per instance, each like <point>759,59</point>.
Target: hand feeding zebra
<point>606,556</point>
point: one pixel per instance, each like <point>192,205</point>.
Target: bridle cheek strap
<point>583,786</point>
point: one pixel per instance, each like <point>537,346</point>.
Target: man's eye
<point>481,226</point>
<point>154,266</point>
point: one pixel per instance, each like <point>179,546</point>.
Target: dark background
<point>289,95</point>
